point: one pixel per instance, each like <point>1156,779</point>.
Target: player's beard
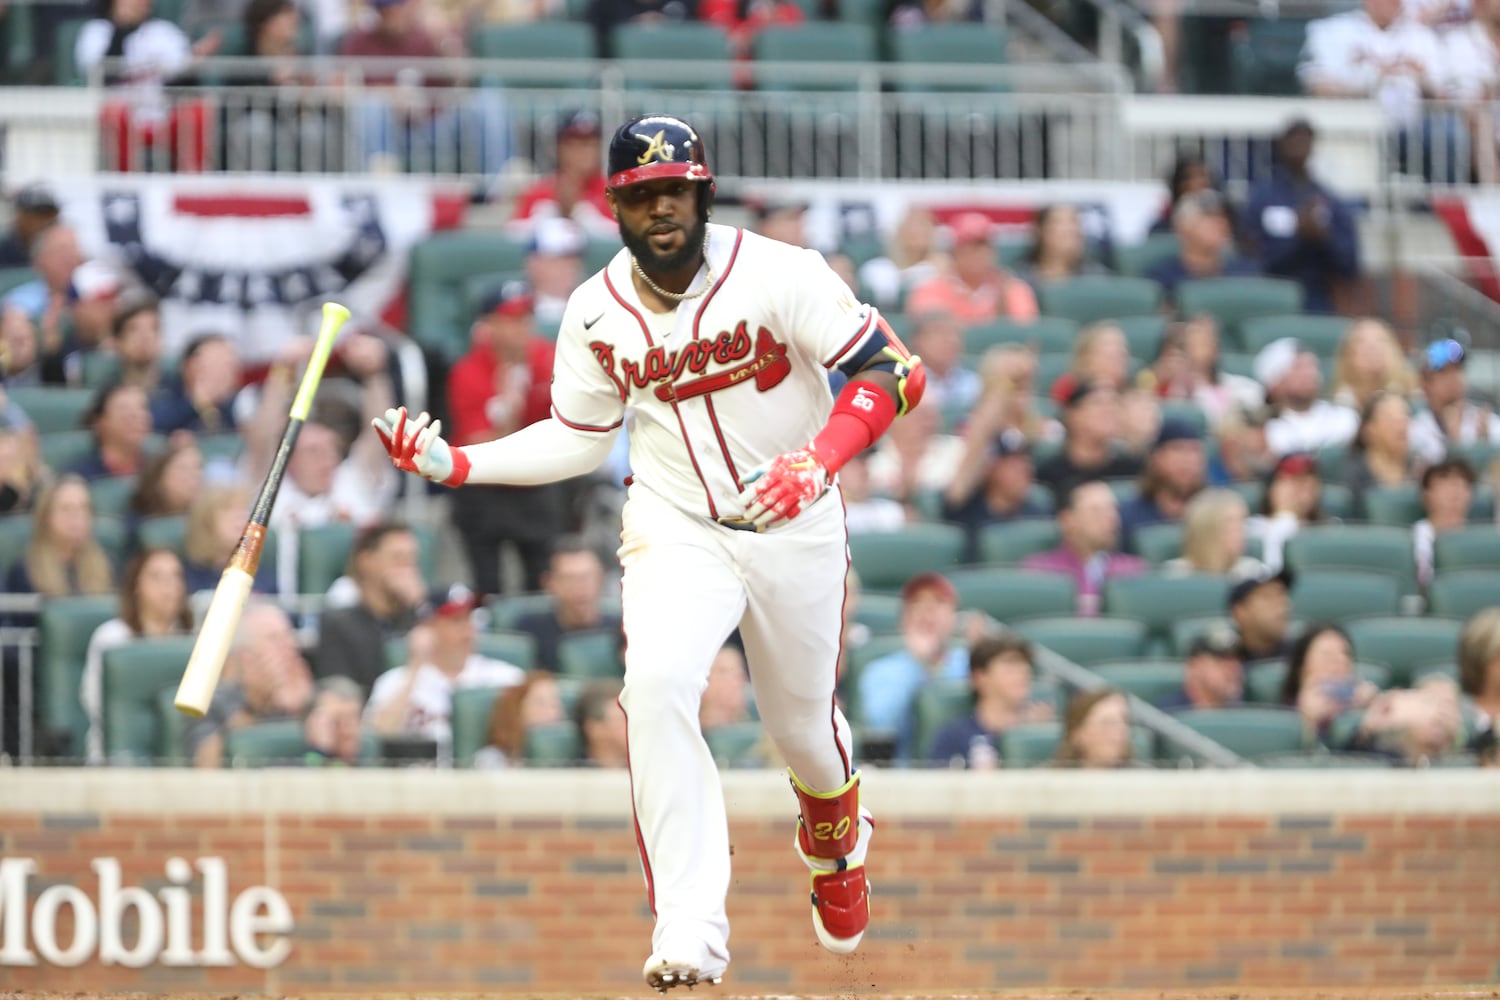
<point>639,245</point>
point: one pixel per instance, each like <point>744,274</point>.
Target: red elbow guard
<point>860,415</point>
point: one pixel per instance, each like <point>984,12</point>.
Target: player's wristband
<point>461,466</point>
<point>860,415</point>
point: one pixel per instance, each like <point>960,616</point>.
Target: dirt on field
<point>711,993</point>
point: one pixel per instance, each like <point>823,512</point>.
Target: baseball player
<point>716,344</point>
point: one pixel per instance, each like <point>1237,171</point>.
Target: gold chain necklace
<point>708,278</point>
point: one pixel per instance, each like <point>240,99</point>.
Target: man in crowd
<point>1375,52</point>
<point>976,289</point>
<point>1205,243</point>
<point>1450,418</point>
<point>993,485</point>
<point>201,397</point>
<point>554,266</point>
<point>575,190</point>
<point>1001,673</point>
<point>1175,472</point>
<point>575,581</point>
<point>1301,419</point>
<point>35,208</point>
<point>1214,677</point>
<point>1089,522</point>
<point>1092,417</point>
<point>1260,606</point>
<point>385,570</point>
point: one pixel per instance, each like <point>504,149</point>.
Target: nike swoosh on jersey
<point>588,323</point>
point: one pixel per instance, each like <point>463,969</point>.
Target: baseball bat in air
<point>217,633</point>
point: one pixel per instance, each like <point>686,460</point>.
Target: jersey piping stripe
<point>640,840</point>
<point>687,442</point>
<point>713,417</point>
<point>584,427</point>
<point>863,330</point>
<point>833,709</point>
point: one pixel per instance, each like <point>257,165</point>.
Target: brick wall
<point>983,882</point>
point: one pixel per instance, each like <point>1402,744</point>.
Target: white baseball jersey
<point>726,382</point>
<point>429,710</point>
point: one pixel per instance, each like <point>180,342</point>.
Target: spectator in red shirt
<point>575,190</point>
<point>976,289</point>
<point>400,125</point>
<point>503,384</point>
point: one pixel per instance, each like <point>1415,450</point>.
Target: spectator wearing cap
<point>1380,454</point>
<point>1293,498</point>
<point>1301,420</point>
<point>93,293</point>
<point>1214,676</point>
<point>502,384</point>
<point>1092,418</point>
<point>554,267</point>
<point>1205,238</point>
<point>888,686</point>
<point>939,341</point>
<point>1450,418</point>
<point>1260,606</point>
<point>975,288</point>
<point>1447,494</point>
<point>200,398</point>
<point>384,567</point>
<point>575,582</point>
<point>1101,355</point>
<point>35,208</point>
<point>1479,666</point>
<point>1001,671</point>
<point>1301,230</point>
<point>416,699</point>
<point>1089,521</point>
<point>994,484</point>
<point>575,189</point>
<point>1175,472</point>
<point>120,419</point>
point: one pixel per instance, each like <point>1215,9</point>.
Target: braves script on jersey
<point>724,383</point>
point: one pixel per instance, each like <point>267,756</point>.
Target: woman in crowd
<point>215,521</point>
<point>153,602</point>
<point>169,484</point>
<point>120,417</point>
<point>536,701</point>
<point>1096,731</point>
<point>1447,495</point>
<point>1369,361</point>
<point>1187,367</point>
<point>1479,666</point>
<point>1101,355</point>
<point>1293,499</point>
<point>1321,682</point>
<point>63,558</point>
<point>1215,527</point>
<point>1190,174</point>
<point>1059,250</point>
<point>1380,454</point>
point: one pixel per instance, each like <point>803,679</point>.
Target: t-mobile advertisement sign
<point>169,929</point>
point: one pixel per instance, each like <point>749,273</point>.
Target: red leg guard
<point>842,902</point>
<point>828,827</point>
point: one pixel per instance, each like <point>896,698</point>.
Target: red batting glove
<point>418,446</point>
<point>783,488</point>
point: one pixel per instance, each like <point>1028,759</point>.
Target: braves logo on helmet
<point>655,146</point>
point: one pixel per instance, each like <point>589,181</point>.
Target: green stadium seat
<point>61,450</point>
<point>323,554</point>
<point>1009,543</point>
<point>554,41</point>
<point>15,536</point>
<point>1405,643</point>
<point>1152,681</point>
<point>1463,593</point>
<point>171,724</point>
<point>12,278</point>
<point>52,408</point>
<point>227,447</point>
<point>1138,259</point>
<point>878,612</point>
<point>169,532</point>
<point>98,368</point>
<point>886,560</point>
<point>1250,732</point>
<point>266,744</point>
<point>506,610</point>
<point>1231,301</point>
<point>1338,501</point>
<point>1372,547</point>
<point>870,13</point>
<point>1096,297</point>
<point>938,703</point>
<point>1189,413</point>
<point>1319,334</point>
<point>1264,56</point>
<point>1143,335</point>
<point>1010,594</point>
<point>1159,601</point>
<point>1048,334</point>
<point>734,745</point>
<point>1087,641</point>
<point>1263,681</point>
<point>134,676</point>
<point>947,45</point>
<point>1396,506</point>
<point>654,50</point>
<point>472,708</point>
<point>590,654</point>
<point>1188,629</point>
<point>1319,760</point>
<point>65,627</point>
<point>1339,595</point>
<point>111,495</point>
<point>1475,547</point>
<point>438,266</point>
<point>112,537</point>
<point>65,72</point>
<point>1156,543</point>
<point>821,42</point>
<point>555,744</point>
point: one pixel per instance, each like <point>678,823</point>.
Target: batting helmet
<point>653,146</point>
